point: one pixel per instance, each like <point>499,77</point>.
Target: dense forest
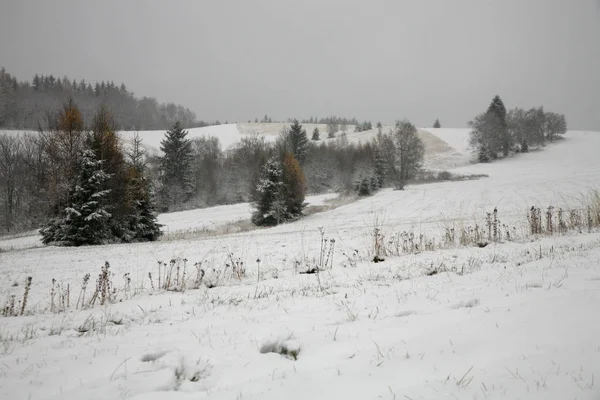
<point>26,104</point>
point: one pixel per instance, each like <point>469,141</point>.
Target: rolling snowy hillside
<point>514,320</point>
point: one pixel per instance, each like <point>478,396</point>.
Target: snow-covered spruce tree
<point>270,210</point>
<point>280,192</point>
<point>176,168</point>
<point>363,185</point>
<point>142,220</point>
<point>437,124</point>
<point>86,219</point>
<point>316,134</point>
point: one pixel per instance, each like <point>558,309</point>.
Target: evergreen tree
<point>280,193</point>
<point>363,186</point>
<point>175,168</point>
<point>270,210</point>
<point>437,124</point>
<point>315,134</point>
<point>298,141</point>
<point>142,220</point>
<point>86,219</point>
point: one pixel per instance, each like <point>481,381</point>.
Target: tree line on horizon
<point>27,104</point>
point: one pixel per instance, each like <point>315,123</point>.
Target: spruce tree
<point>267,197</point>
<point>315,134</point>
<point>280,193</point>
<point>142,220</point>
<point>298,141</point>
<point>175,168</point>
<point>437,124</point>
<point>86,219</point>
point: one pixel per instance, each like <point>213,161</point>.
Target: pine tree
<point>176,168</point>
<point>298,141</point>
<point>86,219</point>
<point>280,193</point>
<point>142,220</point>
<point>437,124</point>
<point>270,210</point>
<point>315,134</point>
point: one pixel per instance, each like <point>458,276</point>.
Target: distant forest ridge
<point>24,104</point>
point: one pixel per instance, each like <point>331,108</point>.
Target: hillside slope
<point>514,320</point>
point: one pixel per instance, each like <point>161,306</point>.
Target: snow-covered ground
<point>210,219</point>
<point>514,320</point>
<point>228,135</point>
<point>458,139</point>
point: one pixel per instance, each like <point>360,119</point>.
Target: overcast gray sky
<point>373,59</point>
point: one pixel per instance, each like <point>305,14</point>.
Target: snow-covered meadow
<point>514,320</point>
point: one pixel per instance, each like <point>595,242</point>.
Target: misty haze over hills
<point>380,60</point>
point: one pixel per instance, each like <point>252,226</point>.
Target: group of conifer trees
<point>96,189</point>
<point>499,133</point>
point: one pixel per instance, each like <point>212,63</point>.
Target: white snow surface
<point>513,320</point>
<point>458,139</point>
<point>228,135</point>
<point>210,219</point>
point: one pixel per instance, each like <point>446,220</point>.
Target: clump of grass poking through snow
<point>26,293</point>
<point>288,348</point>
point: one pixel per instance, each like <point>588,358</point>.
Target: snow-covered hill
<point>512,320</point>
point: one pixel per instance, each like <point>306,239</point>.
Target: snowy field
<point>211,219</point>
<point>513,320</point>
